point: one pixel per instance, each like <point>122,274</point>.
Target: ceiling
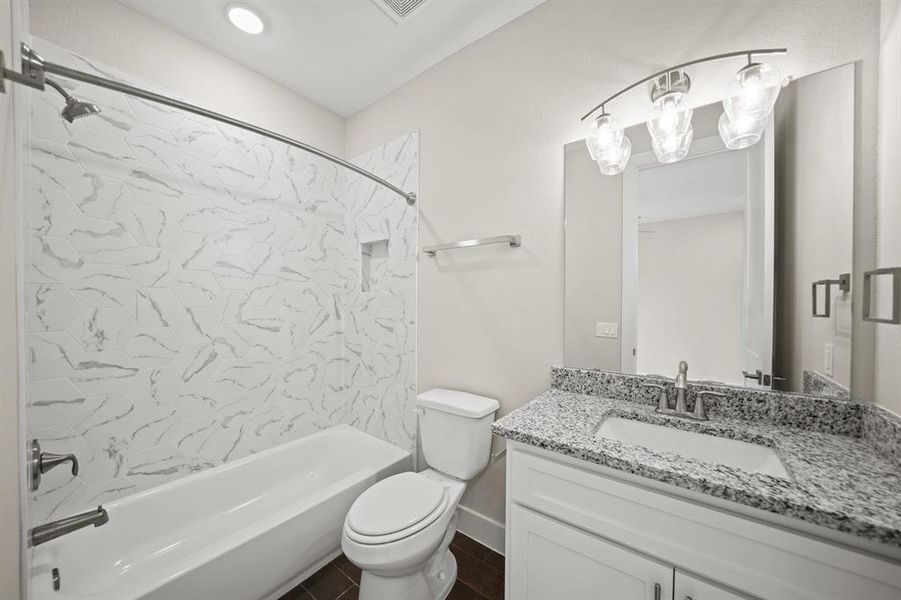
<point>341,54</point>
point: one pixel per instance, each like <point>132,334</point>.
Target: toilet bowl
<point>399,530</point>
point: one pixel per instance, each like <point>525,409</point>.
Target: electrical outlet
<point>606,330</point>
<point>827,359</point>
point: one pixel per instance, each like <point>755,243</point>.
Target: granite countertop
<point>837,481</point>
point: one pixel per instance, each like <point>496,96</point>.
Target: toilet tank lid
<point>458,403</point>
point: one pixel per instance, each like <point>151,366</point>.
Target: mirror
<point>723,258</point>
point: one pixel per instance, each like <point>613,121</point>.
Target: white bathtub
<point>246,530</point>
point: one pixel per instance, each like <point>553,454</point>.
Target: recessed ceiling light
<point>245,19</point>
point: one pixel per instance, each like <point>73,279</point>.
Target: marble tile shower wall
<point>380,325</point>
<point>192,295</point>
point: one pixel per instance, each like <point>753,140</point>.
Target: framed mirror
<point>735,261</point>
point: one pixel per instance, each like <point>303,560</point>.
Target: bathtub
<point>247,530</point>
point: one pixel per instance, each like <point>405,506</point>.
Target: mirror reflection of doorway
<point>702,267</point>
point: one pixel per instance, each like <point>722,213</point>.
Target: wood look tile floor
<point>480,576</point>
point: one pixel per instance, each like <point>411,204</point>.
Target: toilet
<point>399,530</point>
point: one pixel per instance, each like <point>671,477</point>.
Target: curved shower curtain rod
<point>34,68</point>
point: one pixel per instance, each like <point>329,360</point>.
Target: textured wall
<point>188,290</point>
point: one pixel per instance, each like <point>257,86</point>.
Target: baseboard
<point>482,529</point>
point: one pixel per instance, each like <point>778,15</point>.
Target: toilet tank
<point>455,431</point>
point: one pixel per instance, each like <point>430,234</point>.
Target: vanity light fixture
<point>750,98</point>
<point>246,20</point>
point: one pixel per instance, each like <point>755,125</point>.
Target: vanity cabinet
<point>550,559</point>
<point>579,530</point>
<point>553,560</point>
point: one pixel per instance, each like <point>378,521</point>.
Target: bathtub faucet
<point>55,529</point>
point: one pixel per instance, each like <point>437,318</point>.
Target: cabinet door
<point>692,588</point>
<point>553,561</point>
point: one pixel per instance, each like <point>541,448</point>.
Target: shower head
<point>74,108</point>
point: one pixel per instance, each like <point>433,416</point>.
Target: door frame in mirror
<point>629,317</point>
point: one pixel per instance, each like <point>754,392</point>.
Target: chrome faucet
<point>50,531</point>
<point>681,386</point>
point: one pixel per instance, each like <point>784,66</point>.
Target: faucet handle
<point>41,462</point>
<point>700,411</point>
<point>662,399</point>
<point>50,460</point>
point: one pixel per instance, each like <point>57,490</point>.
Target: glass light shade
<point>605,136</point>
<point>741,133</point>
<point>673,147</point>
<point>753,92</point>
<point>670,115</point>
<point>614,162</point>
<point>670,127</point>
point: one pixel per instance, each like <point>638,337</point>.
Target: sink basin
<point>752,458</point>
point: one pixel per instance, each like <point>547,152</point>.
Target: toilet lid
<point>396,504</point>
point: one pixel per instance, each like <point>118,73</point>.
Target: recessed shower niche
<point>374,266</point>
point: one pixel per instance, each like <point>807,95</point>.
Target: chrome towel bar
<point>515,241</point>
<point>844,284</point>
<point>895,317</point>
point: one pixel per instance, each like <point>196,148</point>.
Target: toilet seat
<point>395,508</point>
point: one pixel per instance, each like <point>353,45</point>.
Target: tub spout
<point>54,529</point>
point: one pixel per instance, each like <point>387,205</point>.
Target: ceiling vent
<point>399,10</point>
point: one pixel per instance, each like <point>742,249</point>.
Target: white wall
<point>11,24</point>
<point>690,296</point>
<point>125,39</point>
<point>888,375</point>
<point>494,118</point>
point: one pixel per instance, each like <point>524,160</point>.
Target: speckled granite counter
<point>838,481</point>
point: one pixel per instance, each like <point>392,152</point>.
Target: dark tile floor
<point>480,576</point>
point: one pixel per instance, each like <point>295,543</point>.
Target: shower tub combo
<point>252,528</point>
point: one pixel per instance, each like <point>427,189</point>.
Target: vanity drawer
<point>764,560</point>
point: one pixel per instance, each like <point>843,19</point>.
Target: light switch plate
<point>827,359</point>
<point>606,330</point>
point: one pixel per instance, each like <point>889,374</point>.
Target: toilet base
<point>434,582</point>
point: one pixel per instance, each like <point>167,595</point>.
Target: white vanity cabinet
<point>577,530</point>
<point>550,559</point>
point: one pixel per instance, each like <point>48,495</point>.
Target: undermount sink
<point>746,456</point>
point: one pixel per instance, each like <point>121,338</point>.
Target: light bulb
<point>670,127</point>
<point>753,92</point>
<point>604,136</point>
<point>615,160</point>
<point>674,147</point>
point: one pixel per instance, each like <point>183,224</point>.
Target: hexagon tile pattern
<point>193,294</point>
